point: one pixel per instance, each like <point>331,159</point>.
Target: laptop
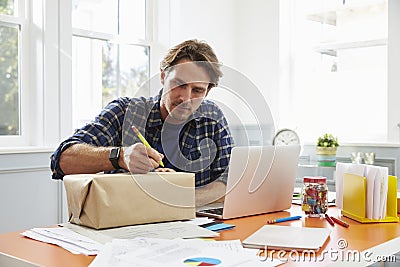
<point>260,180</point>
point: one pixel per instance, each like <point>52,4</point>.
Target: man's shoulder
<point>209,113</point>
<point>124,102</point>
<point>210,107</point>
<point>143,103</point>
<point>144,100</point>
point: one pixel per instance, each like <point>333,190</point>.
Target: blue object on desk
<point>220,226</point>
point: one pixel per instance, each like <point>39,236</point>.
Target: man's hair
<point>195,50</point>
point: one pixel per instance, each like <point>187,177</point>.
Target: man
<point>185,132</point>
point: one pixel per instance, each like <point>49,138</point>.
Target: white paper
<point>200,220</point>
<point>370,174</point>
<point>65,238</point>
<point>168,230</point>
<point>231,245</point>
<point>158,252</point>
<point>111,251</point>
<point>377,195</point>
<point>376,183</point>
<point>384,191</point>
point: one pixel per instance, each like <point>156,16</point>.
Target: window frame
<point>112,38</point>
<point>20,22</point>
<point>46,71</point>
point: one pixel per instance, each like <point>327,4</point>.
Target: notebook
<point>260,180</point>
<point>279,237</point>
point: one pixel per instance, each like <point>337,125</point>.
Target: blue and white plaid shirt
<point>205,141</point>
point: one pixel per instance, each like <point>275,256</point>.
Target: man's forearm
<point>212,192</point>
<point>83,158</point>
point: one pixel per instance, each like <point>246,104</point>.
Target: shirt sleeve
<point>104,130</point>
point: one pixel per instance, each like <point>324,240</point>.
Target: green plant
<point>327,140</point>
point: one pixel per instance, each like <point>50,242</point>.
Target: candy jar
<point>314,196</point>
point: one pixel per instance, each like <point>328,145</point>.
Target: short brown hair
<point>194,50</point>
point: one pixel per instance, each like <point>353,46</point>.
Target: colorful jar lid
<point>315,179</point>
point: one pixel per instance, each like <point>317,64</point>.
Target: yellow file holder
<point>354,199</point>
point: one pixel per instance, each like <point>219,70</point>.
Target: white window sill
<point>23,150</point>
<point>360,144</point>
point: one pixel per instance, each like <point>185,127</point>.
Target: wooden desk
<point>358,236</point>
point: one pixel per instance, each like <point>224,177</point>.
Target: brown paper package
<point>112,200</point>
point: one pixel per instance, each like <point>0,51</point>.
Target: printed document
<point>177,252</point>
<point>167,230</point>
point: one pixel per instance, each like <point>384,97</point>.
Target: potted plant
<point>326,150</point>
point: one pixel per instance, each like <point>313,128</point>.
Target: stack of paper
<point>65,238</point>
<point>377,187</point>
<point>83,240</point>
<point>168,230</point>
<point>178,252</point>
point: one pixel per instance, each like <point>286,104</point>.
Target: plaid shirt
<point>205,141</point>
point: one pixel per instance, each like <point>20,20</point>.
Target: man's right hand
<point>140,159</point>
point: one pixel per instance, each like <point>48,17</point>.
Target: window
<point>57,70</point>
<point>11,21</point>
<point>109,56</point>
<point>338,69</point>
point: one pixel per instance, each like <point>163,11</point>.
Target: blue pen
<point>284,219</point>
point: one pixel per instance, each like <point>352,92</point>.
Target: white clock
<point>286,137</point>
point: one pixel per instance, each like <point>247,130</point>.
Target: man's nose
<point>186,93</point>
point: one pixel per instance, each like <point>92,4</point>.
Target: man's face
<point>185,86</point>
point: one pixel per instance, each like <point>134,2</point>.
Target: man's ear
<point>162,76</point>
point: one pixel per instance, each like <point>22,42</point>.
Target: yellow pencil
<point>144,141</point>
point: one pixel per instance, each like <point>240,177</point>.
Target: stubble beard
<point>178,116</point>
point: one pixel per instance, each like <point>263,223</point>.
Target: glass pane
<point>98,16</point>
<point>103,71</point>
<point>340,69</point>
<point>9,81</point>
<point>125,69</point>
<point>132,19</point>
<point>7,7</point>
<point>86,79</point>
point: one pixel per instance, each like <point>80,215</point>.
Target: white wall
<point>257,46</point>
<point>179,20</point>
<point>232,28</point>
<point>245,36</point>
<point>29,197</point>
<point>393,68</point>
<point>207,20</point>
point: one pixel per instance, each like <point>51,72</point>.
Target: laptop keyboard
<point>217,211</point>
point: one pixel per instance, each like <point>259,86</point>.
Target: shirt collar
<point>155,113</point>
